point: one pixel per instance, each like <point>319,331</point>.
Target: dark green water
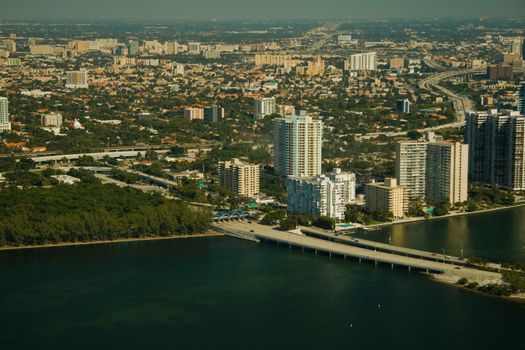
<point>221,293</point>
<point>497,236</point>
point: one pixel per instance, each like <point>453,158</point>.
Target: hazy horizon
<point>259,9</point>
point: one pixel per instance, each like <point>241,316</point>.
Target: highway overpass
<point>94,155</point>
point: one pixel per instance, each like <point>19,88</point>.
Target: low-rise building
<point>51,120</point>
<point>387,196</point>
<point>240,178</point>
<point>194,113</point>
<point>397,63</point>
<point>66,179</point>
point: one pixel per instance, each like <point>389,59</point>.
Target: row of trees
<point>89,212</point>
<point>26,178</point>
<point>362,215</point>
<point>287,221</point>
<point>13,164</point>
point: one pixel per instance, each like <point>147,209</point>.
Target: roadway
<point>320,36</point>
<point>113,152</point>
<point>388,248</point>
<point>94,155</point>
<point>374,135</point>
<point>462,105</point>
<point>148,184</point>
<point>450,272</point>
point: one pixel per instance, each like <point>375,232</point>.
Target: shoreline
<point>113,241</point>
<point>517,297</point>
<point>420,219</point>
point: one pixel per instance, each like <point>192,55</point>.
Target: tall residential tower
<point>433,172</point>
<point>447,172</point>
<point>5,125</point>
<point>521,98</point>
<point>297,142</point>
<point>264,106</point>
<point>411,166</point>
<point>497,148</point>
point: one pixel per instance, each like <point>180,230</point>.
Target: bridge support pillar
<point>360,260</point>
<point>427,271</point>
<point>316,252</point>
<point>375,262</point>
<point>392,266</point>
<point>409,269</point>
<point>302,249</point>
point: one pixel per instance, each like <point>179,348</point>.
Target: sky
<point>259,9</point>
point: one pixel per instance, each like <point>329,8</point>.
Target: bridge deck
<point>452,272</point>
<point>383,247</point>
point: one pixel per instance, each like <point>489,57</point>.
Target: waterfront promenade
<point>448,272</point>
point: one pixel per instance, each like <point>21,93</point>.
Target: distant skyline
<point>259,9</point>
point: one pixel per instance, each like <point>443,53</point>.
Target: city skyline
<point>190,183</point>
<point>258,10</point>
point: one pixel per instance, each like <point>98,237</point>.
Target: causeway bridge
<point>383,247</point>
<point>313,241</point>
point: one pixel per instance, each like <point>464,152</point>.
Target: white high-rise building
<point>77,79</point>
<point>264,106</point>
<point>447,172</point>
<point>362,61</point>
<point>348,181</point>
<point>322,195</point>
<point>297,143</point>
<point>411,163</point>
<point>518,46</point>
<point>521,99</point>
<point>433,171</point>
<point>5,125</point>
